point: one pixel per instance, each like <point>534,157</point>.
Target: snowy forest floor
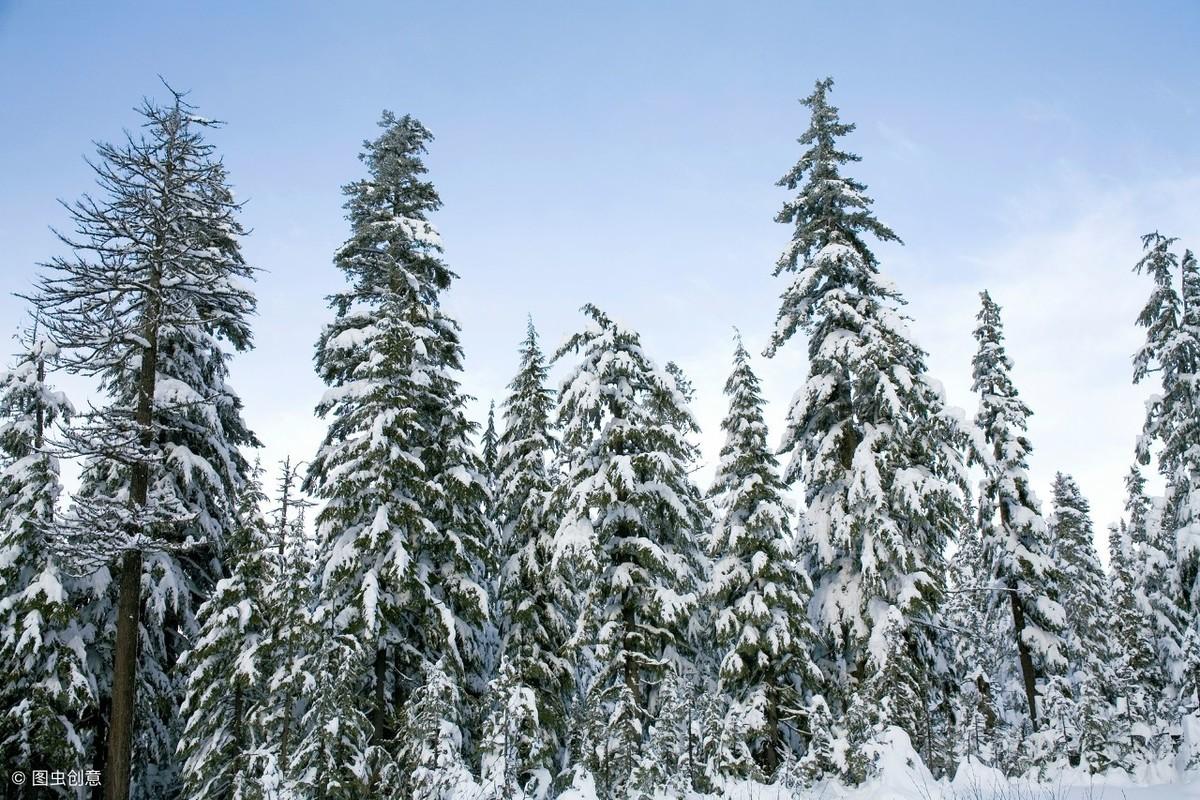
<point>902,776</point>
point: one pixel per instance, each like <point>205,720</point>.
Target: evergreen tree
<point>1089,647</point>
<point>155,293</point>
<point>1172,353</point>
<point>1135,663</point>
<point>288,649</point>
<point>527,732</point>
<point>1082,582</point>
<point>869,436</point>
<point>46,685</point>
<point>435,727</point>
<point>489,449</point>
<point>226,673</point>
<point>1016,542</point>
<point>403,534</point>
<point>982,624</point>
<point>762,631</point>
<point>631,510</point>
<point>330,755</point>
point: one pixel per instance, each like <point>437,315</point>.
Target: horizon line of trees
<point>562,601</point>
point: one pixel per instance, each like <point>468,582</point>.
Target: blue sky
<point>625,153</point>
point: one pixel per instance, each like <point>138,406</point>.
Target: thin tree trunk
<point>378,717</point>
<point>1028,672</point>
<point>771,756</point>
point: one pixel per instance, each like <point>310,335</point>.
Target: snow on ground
<point>902,776</point>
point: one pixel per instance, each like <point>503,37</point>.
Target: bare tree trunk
<point>378,717</point>
<point>1028,672</point>
<point>129,599</point>
<point>771,756</point>
<point>120,723</point>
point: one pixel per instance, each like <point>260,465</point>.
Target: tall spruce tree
<point>403,533</point>
<point>869,436</point>
<point>46,684</point>
<point>1017,548</point>
<point>227,676</point>
<point>1172,354</point>
<point>488,450</point>
<point>1090,648</point>
<point>526,737</point>
<point>152,299</point>
<point>1083,582</point>
<point>632,512</point>
<point>761,631</point>
<point>288,650</point>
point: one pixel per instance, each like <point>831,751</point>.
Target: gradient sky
<point>625,153</point>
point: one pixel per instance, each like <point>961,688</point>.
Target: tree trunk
<point>129,600</point>
<point>120,724</point>
<point>1028,672</point>
<point>771,756</point>
<point>378,717</point>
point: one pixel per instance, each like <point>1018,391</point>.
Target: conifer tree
<point>46,684</point>
<point>527,731</point>
<point>869,436</point>
<point>761,629</point>
<point>631,509</point>
<point>403,533</point>
<point>226,675</point>
<point>1082,582</point>
<point>982,625</point>
<point>1089,647</point>
<point>1017,547</point>
<point>1172,354</point>
<point>151,301</point>
<point>1135,663</point>
<point>288,650</point>
<point>330,753</point>
<point>488,450</point>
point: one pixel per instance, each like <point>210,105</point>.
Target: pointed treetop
<point>831,208</point>
<point>490,439</point>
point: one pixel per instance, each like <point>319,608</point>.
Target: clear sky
<point>625,153</point>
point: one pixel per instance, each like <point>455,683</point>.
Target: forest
<point>545,604</point>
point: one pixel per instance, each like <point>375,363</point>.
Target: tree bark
<point>1028,672</point>
<point>121,717</point>
<point>378,717</point>
<point>771,755</point>
<point>129,599</point>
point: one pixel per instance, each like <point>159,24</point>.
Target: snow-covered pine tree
<point>155,294</point>
<point>667,766</point>
<point>983,641</point>
<point>762,633</point>
<point>226,676</point>
<point>1090,649</point>
<point>404,532</point>
<point>333,736</point>
<point>1016,544</point>
<point>489,445</point>
<point>1171,317</point>
<point>869,436</point>
<point>526,737</point>
<point>288,650</point>
<point>1135,662</point>
<point>630,508</point>
<point>46,685</point>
